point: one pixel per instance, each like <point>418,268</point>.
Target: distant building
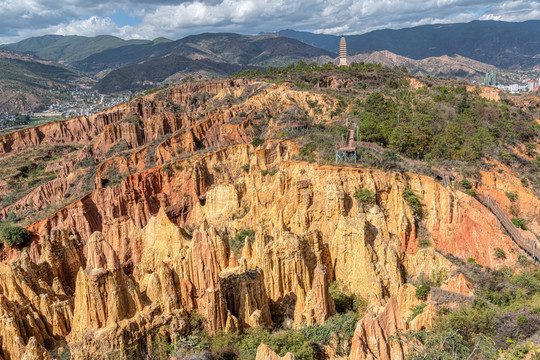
<point>533,84</point>
<point>490,79</point>
<point>342,51</point>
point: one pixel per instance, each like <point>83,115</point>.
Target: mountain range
<point>503,44</point>
<point>463,50</point>
<point>27,83</point>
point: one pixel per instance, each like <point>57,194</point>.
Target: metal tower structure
<point>346,151</point>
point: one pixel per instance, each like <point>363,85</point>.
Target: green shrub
<point>443,345</point>
<point>530,149</point>
<point>8,199</point>
<point>522,320</point>
<point>257,142</point>
<point>519,223</point>
<point>505,157</point>
<point>272,173</point>
<point>11,183</point>
<point>281,342</point>
<point>414,203</point>
<point>12,216</point>
<point>346,302</point>
<point>471,192</point>
<point>307,151</point>
<point>237,242</point>
<point>524,182</point>
<point>12,235</point>
<point>416,310</point>
<point>161,347</point>
<point>424,243</point>
<point>196,322</point>
<point>466,184</point>
<point>470,322</point>
<point>422,292</point>
<point>245,167</point>
<point>264,172</point>
<point>472,261</point>
<point>166,169</point>
<point>364,196</point>
<point>512,196</point>
<point>500,254</point>
<point>339,327</point>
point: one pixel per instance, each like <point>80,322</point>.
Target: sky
<point>174,19</point>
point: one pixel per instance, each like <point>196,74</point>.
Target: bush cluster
<point>364,196</point>
<point>237,242</point>
<point>14,235</point>
<point>414,203</point>
<point>346,302</point>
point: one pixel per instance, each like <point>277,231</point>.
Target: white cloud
<point>89,27</point>
<point>178,18</point>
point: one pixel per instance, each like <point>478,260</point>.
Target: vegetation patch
<point>414,203</point>
<point>346,302</point>
<point>14,235</point>
<point>416,310</point>
<point>519,223</point>
<point>364,197</point>
<point>257,141</point>
<point>424,243</point>
<point>422,292</point>
<point>500,254</point>
<point>237,242</point>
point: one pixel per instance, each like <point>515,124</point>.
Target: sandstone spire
<point>35,351</point>
<point>371,335</point>
<point>247,250</point>
<point>265,353</point>
<point>210,299</point>
<point>319,303</point>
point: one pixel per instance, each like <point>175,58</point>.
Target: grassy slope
<point>69,48</point>
<point>25,85</point>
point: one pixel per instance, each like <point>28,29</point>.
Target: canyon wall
<point>150,250</point>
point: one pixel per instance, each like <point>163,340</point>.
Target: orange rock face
<point>265,353</point>
<point>149,243</point>
<point>371,337</point>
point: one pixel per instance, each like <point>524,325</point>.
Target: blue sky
<point>123,17</point>
<point>174,19</point>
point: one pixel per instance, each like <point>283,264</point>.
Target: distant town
<point>527,85</point>
<point>81,102</point>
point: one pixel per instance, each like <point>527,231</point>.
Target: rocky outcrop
<point>460,285</point>
<point>104,296</point>
<point>148,247</point>
<point>246,299</point>
<point>210,299</point>
<point>288,262</point>
<point>64,253</point>
<point>319,303</point>
<point>265,353</point>
<point>33,303</point>
<point>371,337</point>
<point>487,92</point>
<point>35,351</point>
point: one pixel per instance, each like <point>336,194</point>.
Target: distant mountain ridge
<point>502,44</point>
<point>71,48</point>
<point>464,50</point>
<point>29,84</point>
<point>205,54</point>
<point>441,66</point>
